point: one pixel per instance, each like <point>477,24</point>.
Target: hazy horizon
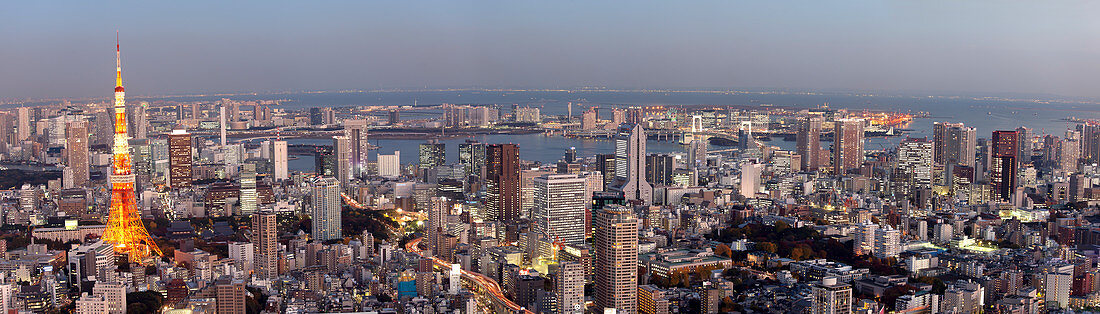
<point>981,47</point>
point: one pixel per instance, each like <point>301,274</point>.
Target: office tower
<point>697,153</point>
<point>915,158</point>
<point>527,189</point>
<point>1023,145</point>
<point>114,293</point>
<point>1090,141</point>
<point>138,121</point>
<point>471,155</point>
<point>389,165</point>
<point>569,288</point>
<point>341,147</point>
<point>124,227</point>
<point>326,209</point>
<point>887,242</point>
<point>605,164</point>
<point>265,240</point>
<point>630,164</point>
<point>750,178</point>
<point>179,159</point>
<point>324,161</point>
<point>76,152</point>
<point>954,144</point>
<point>248,190</point>
<point>229,296</point>
<point>1003,166</point>
<point>559,208</point>
<point>809,141</point>
<point>23,129</point>
<point>832,297</point>
<point>88,304</point>
<point>7,126</point>
<point>1069,155</point>
<point>432,154</point>
<point>394,117</point>
<point>316,117</point>
<point>502,197</point>
<point>659,168</point>
<point>279,160</point>
<point>847,145</point>
<point>616,259</point>
<point>356,132</point>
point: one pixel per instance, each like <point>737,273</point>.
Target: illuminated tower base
<point>124,227</point>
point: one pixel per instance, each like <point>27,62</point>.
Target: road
<point>488,285</point>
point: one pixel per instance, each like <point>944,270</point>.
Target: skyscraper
<point>265,242</point>
<point>809,141</point>
<point>23,129</point>
<point>437,213</point>
<point>179,159</point>
<point>76,152</point>
<point>559,208</point>
<point>502,182</point>
<point>341,146</point>
<point>915,157</point>
<point>326,209</point>
<point>630,151</point>
<point>659,168</point>
<point>472,156</point>
<point>279,160</point>
<point>832,297</point>
<point>847,145</point>
<point>248,189</point>
<point>1002,171</point>
<point>432,154</point>
<point>1023,145</point>
<point>954,144</point>
<point>616,259</point>
<point>138,121</point>
<point>356,132</point>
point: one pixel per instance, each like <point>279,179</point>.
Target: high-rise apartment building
<point>76,153</point>
<point>847,145</point>
<point>326,209</point>
<point>954,144</point>
<point>569,288</point>
<point>559,208</point>
<point>114,293</point>
<point>809,141</point>
<point>279,160</point>
<point>502,182</point>
<point>887,242</point>
<point>616,266</point>
<point>341,146</point>
<point>265,242</point>
<point>359,148</point>
<point>179,159</point>
<point>832,297</point>
<point>23,129</point>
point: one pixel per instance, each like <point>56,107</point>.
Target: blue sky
<point>62,49</point>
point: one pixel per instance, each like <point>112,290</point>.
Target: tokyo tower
<point>124,227</point>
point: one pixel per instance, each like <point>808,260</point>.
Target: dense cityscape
<point>193,207</point>
<point>549,157</point>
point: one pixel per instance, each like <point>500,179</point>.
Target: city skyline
<point>974,47</point>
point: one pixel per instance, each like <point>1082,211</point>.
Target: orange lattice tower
<point>124,227</point>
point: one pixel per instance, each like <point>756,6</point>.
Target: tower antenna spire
<point>118,62</point>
